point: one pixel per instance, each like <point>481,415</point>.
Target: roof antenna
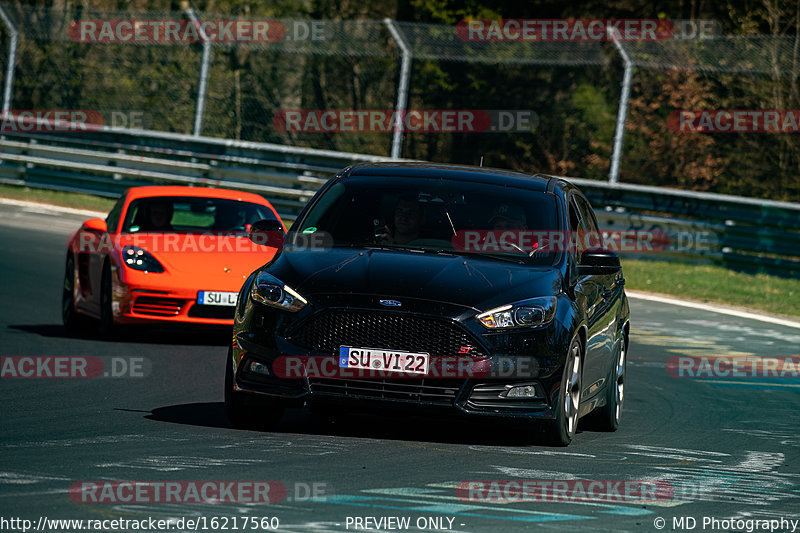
<point>481,165</point>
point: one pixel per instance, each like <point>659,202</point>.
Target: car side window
<point>575,222</point>
<point>587,214</point>
<point>112,220</point>
<point>576,226</point>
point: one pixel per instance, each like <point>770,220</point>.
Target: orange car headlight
<point>140,259</point>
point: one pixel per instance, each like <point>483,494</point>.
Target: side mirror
<point>598,261</point>
<point>95,224</point>
<point>267,233</point>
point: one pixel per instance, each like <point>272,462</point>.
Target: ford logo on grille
<point>391,303</point>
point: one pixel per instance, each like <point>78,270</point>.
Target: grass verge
<point>63,199</point>
<point>715,284</point>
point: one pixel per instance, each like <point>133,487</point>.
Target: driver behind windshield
<point>155,216</point>
<point>407,221</point>
<point>508,217</point>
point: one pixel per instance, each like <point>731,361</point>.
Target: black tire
<point>69,315</point>
<point>607,418</point>
<point>106,327</point>
<point>248,412</point>
<point>568,398</point>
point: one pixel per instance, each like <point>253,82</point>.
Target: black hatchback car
<point>431,286</point>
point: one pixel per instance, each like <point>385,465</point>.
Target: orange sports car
<point>165,254</point>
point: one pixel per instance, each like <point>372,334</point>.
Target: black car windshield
<point>186,214</point>
<point>435,215</point>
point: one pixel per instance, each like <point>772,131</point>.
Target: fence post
<point>12,59</point>
<point>402,88</point>
<point>202,84</point>
<point>622,110</point>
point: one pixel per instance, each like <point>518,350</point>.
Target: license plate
<point>217,298</point>
<point>383,360</point>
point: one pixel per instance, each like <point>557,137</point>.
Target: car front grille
<point>157,306</point>
<point>212,311</point>
<point>418,391</point>
<point>328,330</point>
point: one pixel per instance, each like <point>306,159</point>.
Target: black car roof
<point>452,172</point>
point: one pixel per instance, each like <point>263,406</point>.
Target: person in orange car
<point>165,254</point>
<point>156,216</point>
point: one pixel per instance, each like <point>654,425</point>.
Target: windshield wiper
<point>499,257</point>
<point>517,259</point>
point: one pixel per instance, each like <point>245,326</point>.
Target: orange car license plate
<point>217,298</point>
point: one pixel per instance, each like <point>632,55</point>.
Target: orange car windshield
<point>165,214</point>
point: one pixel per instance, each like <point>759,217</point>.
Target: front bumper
<point>479,394</point>
<point>139,301</point>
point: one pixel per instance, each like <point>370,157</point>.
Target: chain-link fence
<point>718,73</point>
<point>55,72</point>
<point>568,93</point>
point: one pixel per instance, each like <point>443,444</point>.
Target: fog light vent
<point>258,368</point>
<point>524,391</point>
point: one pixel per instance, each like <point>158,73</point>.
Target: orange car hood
<point>222,260</point>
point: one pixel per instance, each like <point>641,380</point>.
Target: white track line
<point>713,309</point>
<point>56,208</point>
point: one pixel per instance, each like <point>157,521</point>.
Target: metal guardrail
<point>106,162</point>
<point>745,233</point>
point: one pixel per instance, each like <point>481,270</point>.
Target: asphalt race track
<point>726,447</point>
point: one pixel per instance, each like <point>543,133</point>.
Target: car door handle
<point>620,282</point>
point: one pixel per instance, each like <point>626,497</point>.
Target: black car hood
<point>472,282</point>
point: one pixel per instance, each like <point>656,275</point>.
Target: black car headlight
<point>269,290</point>
<point>529,313</point>
<point>140,259</point>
